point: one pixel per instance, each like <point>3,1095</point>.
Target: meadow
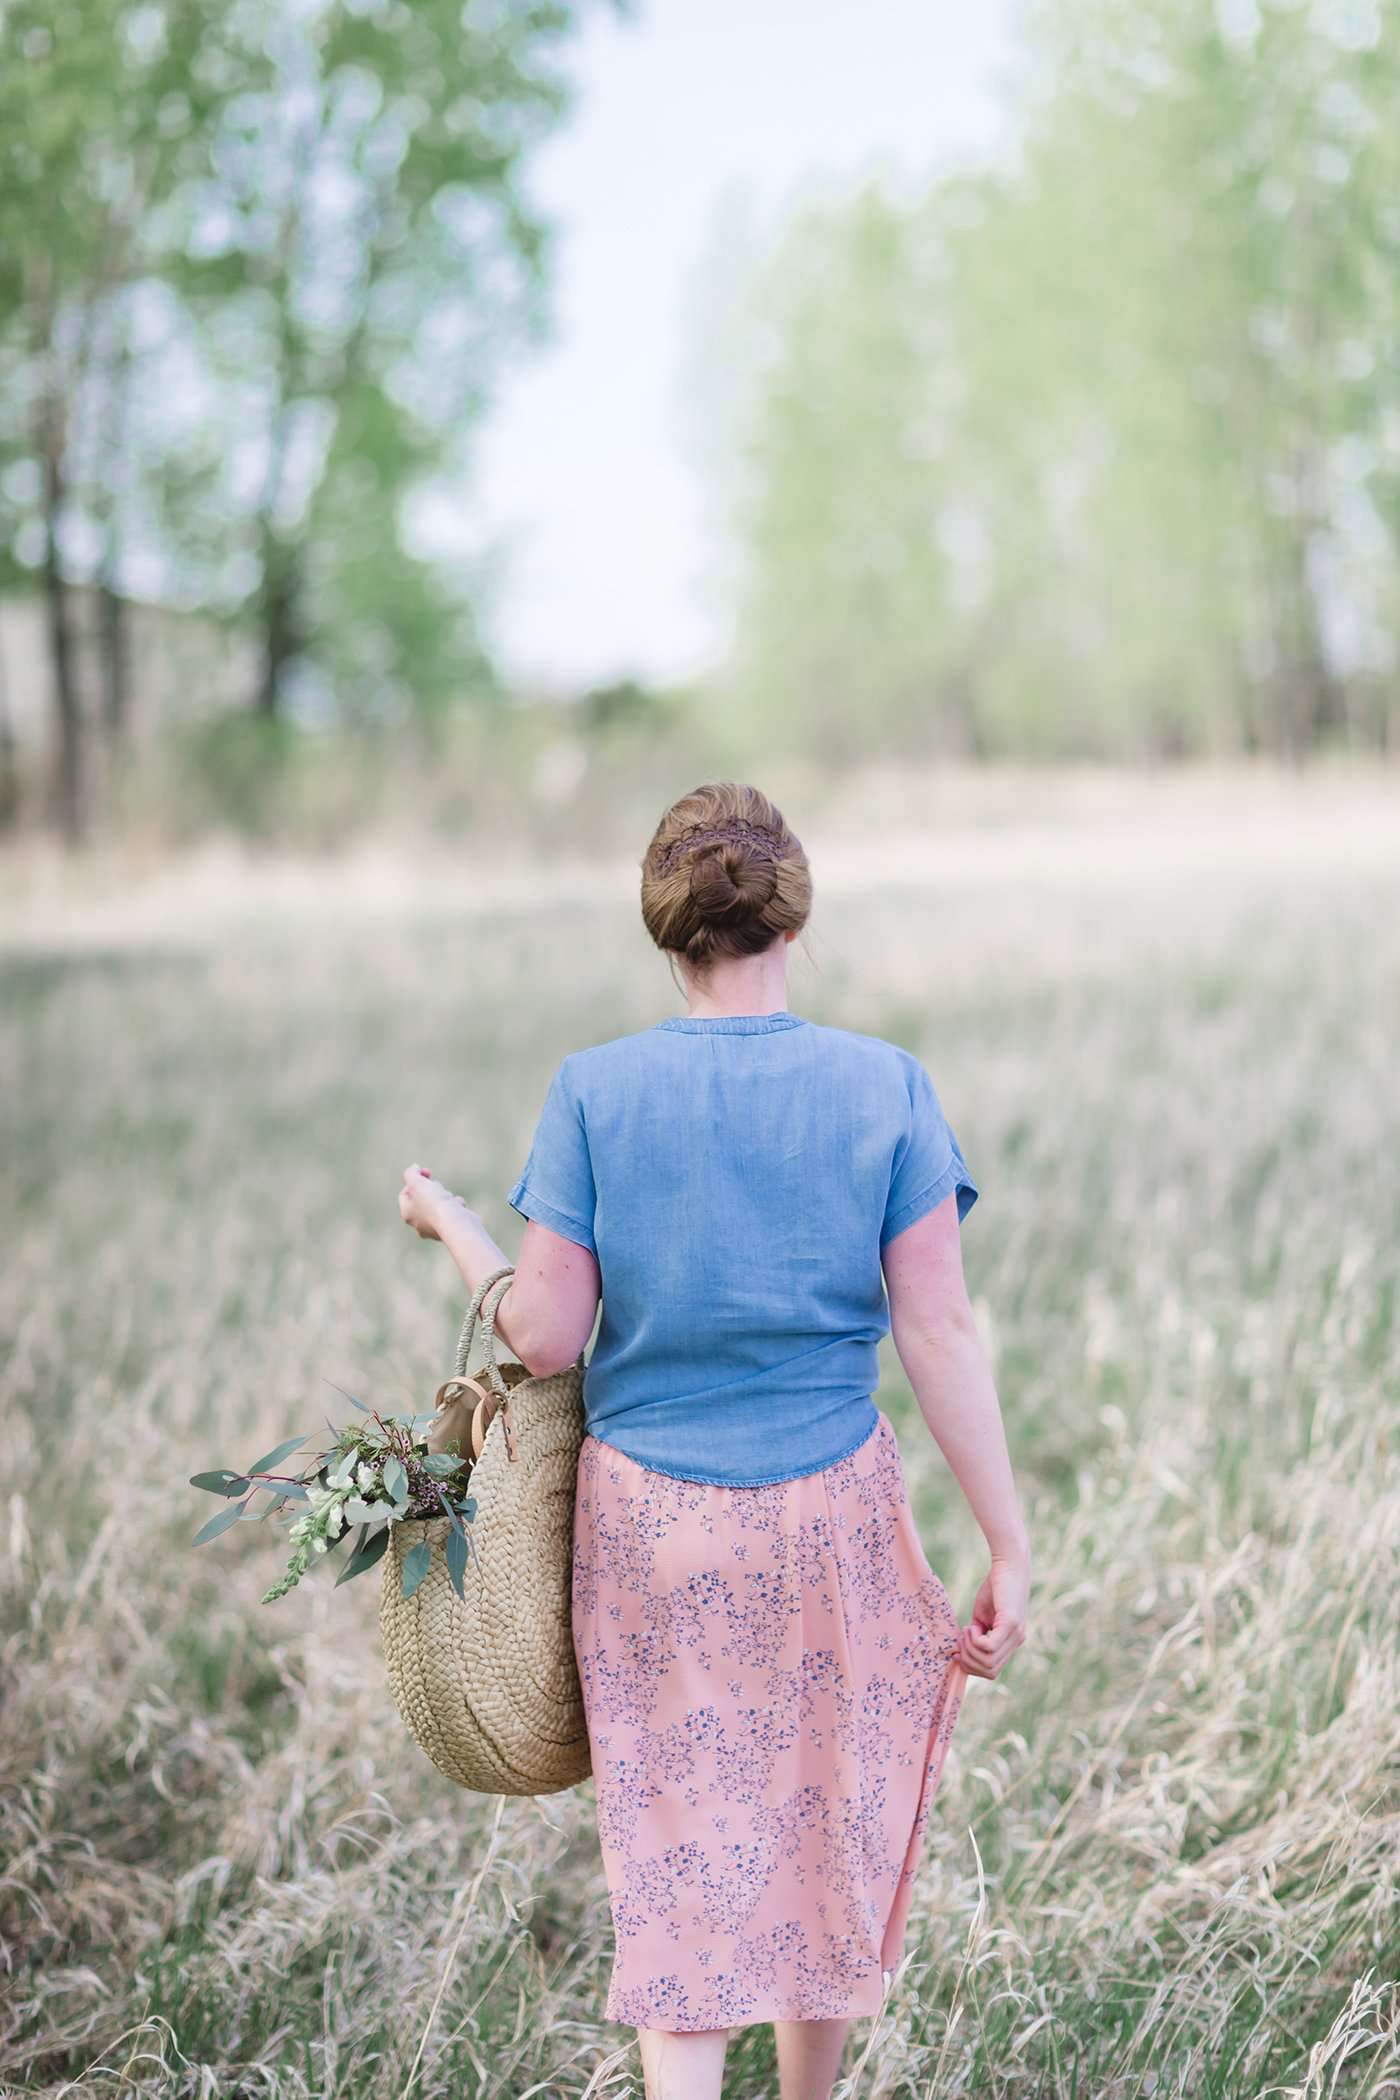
<point>1162,1016</point>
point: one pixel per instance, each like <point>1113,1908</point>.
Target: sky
<point>590,484</point>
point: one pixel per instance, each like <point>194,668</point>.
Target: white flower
<point>366,1475</point>
<point>337,1521</point>
<point>321,1546</point>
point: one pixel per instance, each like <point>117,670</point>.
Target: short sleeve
<point>928,1163</point>
<point>556,1184</point>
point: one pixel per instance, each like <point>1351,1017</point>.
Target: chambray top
<point>737,1178</point>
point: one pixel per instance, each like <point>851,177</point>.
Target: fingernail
<point>426,1172</point>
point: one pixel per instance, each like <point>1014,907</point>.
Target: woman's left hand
<point>423,1202</point>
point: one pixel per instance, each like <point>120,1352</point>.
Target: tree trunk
<point>114,641</point>
<point>281,637</point>
<point>70,779</point>
<point>113,623</point>
<point>9,752</point>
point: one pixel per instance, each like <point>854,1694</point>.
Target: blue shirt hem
<point>530,1205</point>
<point>760,1480</point>
<point>954,1176</point>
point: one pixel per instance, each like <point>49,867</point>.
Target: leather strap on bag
<point>485,1298</point>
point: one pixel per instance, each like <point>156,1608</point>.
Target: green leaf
<point>218,1523</point>
<point>293,1491</point>
<point>344,1473</point>
<point>395,1479</point>
<point>468,1507</point>
<point>365,1410</point>
<point>441,1463</point>
<point>358,1511</point>
<point>363,1557</point>
<point>221,1483</point>
<point>457,1559</point>
<point>415,1566</point>
<point>275,1458</point>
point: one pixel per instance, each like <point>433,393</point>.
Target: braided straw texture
<point>488,1685</point>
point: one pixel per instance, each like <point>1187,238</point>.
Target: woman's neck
<point>738,992</point>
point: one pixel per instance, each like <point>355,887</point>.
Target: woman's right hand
<point>998,1625</point>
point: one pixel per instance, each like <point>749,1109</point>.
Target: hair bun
<point>730,877</point>
<point>723,875</point>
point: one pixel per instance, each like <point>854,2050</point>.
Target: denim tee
<point>737,1178</point>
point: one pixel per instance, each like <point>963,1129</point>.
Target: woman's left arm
<point>546,1315</point>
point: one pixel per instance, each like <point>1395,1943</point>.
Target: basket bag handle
<point>492,1287</point>
<point>486,1299</point>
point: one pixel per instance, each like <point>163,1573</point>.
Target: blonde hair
<point>723,875</point>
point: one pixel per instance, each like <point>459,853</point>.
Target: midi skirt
<point>770,1689</point>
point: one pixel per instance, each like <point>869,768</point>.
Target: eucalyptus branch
<point>376,1474</point>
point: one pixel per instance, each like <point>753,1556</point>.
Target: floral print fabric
<point>770,1691</point>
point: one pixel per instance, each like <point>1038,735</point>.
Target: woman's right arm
<point>935,1333</point>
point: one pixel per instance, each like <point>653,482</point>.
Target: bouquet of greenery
<point>373,1475</point>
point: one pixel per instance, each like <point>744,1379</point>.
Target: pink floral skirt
<point>770,1690</point>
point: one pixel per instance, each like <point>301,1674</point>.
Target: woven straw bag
<point>488,1683</point>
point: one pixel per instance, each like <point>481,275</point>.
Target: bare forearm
<point>953,1384</point>
<point>546,1312</point>
<point>477,1256</point>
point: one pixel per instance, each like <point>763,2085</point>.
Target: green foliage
<point>365,1556</point>
<point>221,1483</point>
<point>416,1563</point>
<point>218,1523</point>
<point>1095,449</point>
<point>258,269</point>
<point>846,572</point>
<point>625,710</point>
<point>374,1475</point>
<point>237,768</point>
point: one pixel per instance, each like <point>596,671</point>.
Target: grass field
<point>1165,1855</point>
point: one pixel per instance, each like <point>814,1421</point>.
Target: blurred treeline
<point>1092,449</point>
<point>259,264</point>
<point>1096,449</point>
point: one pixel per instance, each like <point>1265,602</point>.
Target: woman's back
<point>736,1178</point>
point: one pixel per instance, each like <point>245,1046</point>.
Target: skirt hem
<point>764,2016</point>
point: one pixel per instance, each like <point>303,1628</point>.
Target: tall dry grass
<point>1165,1854</point>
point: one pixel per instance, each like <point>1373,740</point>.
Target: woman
<point>771,1670</point>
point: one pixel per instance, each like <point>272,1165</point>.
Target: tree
<point>258,267</point>
<point>845,450</point>
<point>1115,419</point>
<point>357,268</point>
<point>99,116</point>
